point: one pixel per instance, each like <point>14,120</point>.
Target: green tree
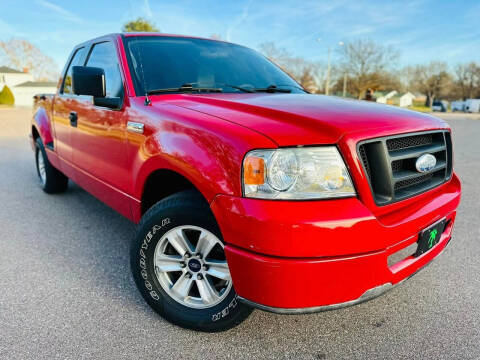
<point>6,96</point>
<point>140,24</point>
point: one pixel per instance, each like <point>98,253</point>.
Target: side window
<point>104,56</point>
<point>76,61</point>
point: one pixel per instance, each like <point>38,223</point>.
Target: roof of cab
<point>136,34</point>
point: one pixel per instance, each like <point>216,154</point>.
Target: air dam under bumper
<point>282,258</point>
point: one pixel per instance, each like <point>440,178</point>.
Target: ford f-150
<point>247,190</point>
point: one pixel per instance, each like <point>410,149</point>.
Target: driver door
<point>99,139</point>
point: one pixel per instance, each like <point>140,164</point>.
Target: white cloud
<point>243,16</point>
<point>67,15</point>
<point>147,9</point>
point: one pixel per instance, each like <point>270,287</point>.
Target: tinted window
<point>76,61</point>
<point>169,62</point>
<point>104,56</point>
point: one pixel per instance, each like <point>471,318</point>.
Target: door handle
<point>73,118</point>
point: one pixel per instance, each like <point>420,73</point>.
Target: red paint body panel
<point>311,282</point>
<point>325,228</point>
<point>300,253</point>
<point>338,245</point>
<point>300,119</point>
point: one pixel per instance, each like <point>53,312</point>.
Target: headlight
<point>296,173</point>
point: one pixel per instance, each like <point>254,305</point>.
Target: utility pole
<point>329,65</point>
<point>341,43</point>
<point>327,80</point>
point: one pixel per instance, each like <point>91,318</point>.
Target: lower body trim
<point>367,295</point>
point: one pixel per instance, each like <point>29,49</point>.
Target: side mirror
<point>88,81</point>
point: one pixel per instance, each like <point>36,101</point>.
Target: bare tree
<point>467,80</point>
<point>433,80</point>
<point>386,81</point>
<point>22,54</point>
<point>366,64</point>
<point>307,73</point>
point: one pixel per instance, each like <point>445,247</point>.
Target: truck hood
<point>304,119</point>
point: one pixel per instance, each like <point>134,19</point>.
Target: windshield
<point>169,62</point>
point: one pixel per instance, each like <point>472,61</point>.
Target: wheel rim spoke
<point>179,242</point>
<point>41,166</point>
<point>207,292</point>
<point>168,263</point>
<point>218,270</point>
<point>186,273</point>
<point>205,244</point>
<point>182,286</point>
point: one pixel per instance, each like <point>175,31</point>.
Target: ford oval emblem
<point>425,163</point>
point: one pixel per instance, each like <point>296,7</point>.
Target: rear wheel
<point>179,265</point>
<point>51,179</point>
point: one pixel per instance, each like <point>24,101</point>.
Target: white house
<point>24,92</point>
<point>406,99</point>
<point>383,99</point>
<point>12,77</point>
<point>23,86</point>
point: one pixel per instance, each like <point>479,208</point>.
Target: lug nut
<point>205,267</point>
<point>187,255</point>
<point>198,255</point>
<point>188,275</point>
<point>199,277</point>
<point>182,264</point>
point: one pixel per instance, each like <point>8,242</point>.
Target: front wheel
<point>179,265</point>
<point>51,180</point>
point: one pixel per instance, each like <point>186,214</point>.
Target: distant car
<point>458,105</point>
<point>472,105</point>
<point>439,105</point>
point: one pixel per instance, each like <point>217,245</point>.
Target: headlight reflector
<point>282,170</point>
<point>296,174</point>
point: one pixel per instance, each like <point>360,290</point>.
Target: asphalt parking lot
<point>66,290</point>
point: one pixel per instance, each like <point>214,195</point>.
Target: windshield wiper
<point>272,89</point>
<point>184,88</point>
<point>239,88</point>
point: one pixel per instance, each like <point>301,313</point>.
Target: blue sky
<point>421,30</point>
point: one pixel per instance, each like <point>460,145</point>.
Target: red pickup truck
<point>248,191</point>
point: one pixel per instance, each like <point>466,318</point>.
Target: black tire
<point>51,180</point>
<point>181,209</point>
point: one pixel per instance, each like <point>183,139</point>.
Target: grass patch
<point>421,108</point>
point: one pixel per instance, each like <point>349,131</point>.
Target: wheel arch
<point>161,183</point>
<point>41,126</point>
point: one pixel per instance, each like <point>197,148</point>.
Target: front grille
<point>363,155</point>
<point>409,182</point>
<point>407,142</point>
<point>389,164</point>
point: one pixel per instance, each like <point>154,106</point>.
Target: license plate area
<point>429,237</point>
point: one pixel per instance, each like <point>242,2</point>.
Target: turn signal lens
<point>254,171</point>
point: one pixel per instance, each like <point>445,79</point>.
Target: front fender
<point>205,150</point>
<point>211,164</point>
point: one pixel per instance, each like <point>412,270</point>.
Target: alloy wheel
<point>191,267</point>
<point>42,173</point>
